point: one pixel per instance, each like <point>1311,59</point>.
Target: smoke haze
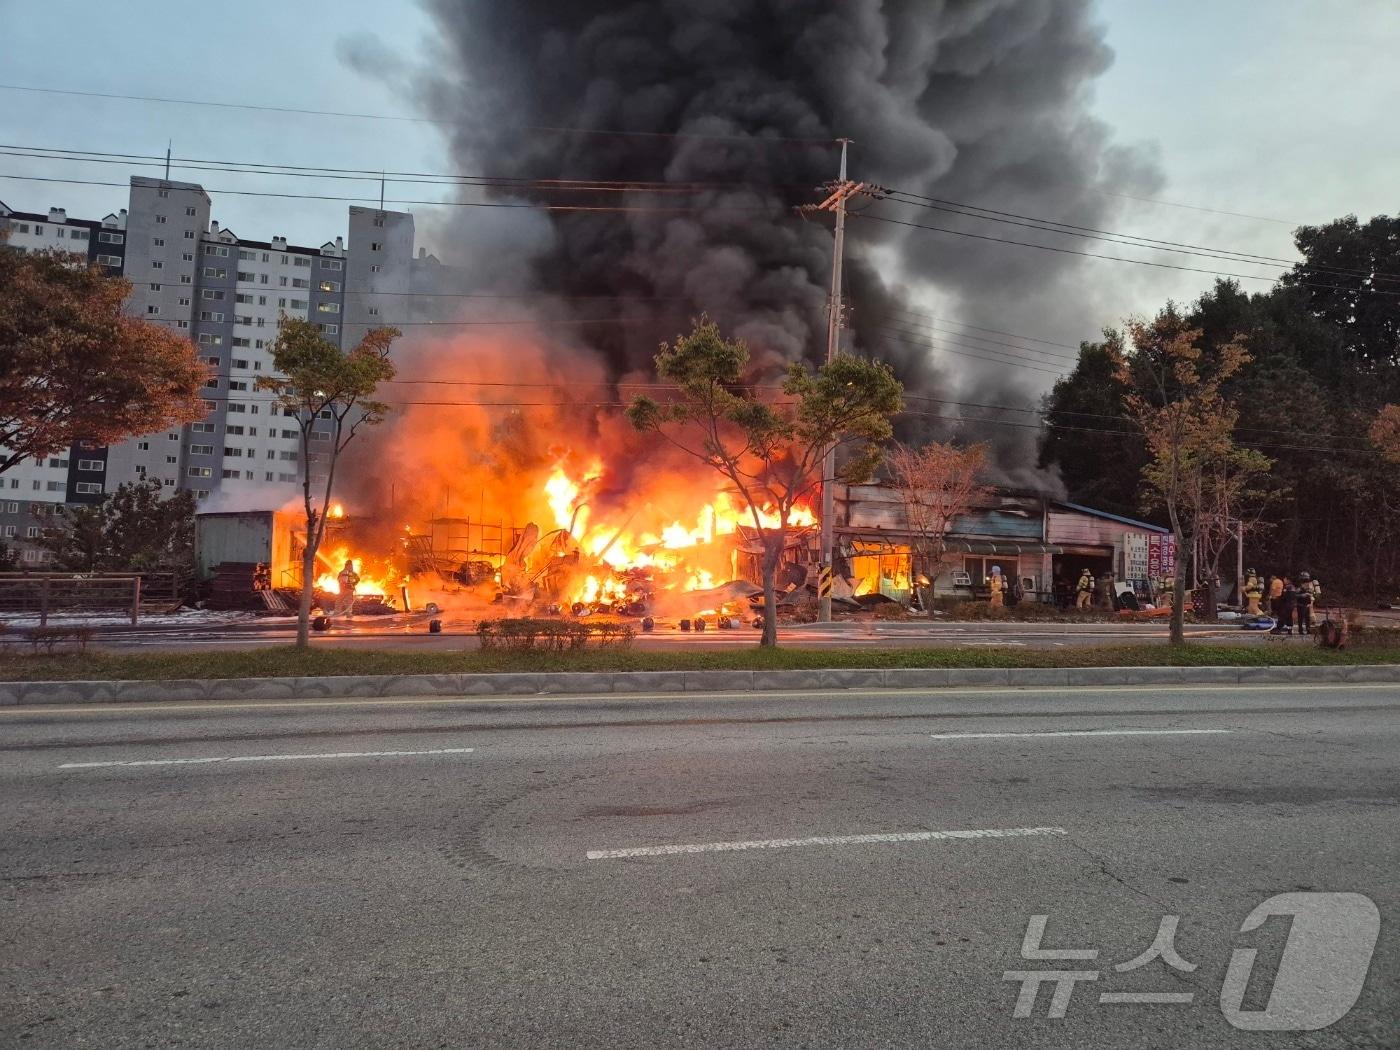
<point>979,101</point>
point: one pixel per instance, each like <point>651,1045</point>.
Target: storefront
<point>1039,541</point>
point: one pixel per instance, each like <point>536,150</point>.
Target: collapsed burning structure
<point>646,159</point>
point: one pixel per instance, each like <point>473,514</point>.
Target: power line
<point>367,175</point>
<point>433,203</point>
<point>908,340</point>
<point>976,341</point>
<point>758,139</point>
<point>994,331</point>
<point>918,414</point>
<point>1198,207</point>
<point>908,396</point>
<point>1132,240</point>
<point>1115,258</point>
<point>998,354</point>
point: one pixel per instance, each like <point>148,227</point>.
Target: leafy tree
<point>331,394</point>
<point>1385,432</point>
<point>1175,399</point>
<point>936,483</point>
<point>1089,437</point>
<point>771,452</point>
<point>1350,277</point>
<point>74,368</point>
<point>133,530</point>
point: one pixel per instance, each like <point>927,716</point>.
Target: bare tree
<point>936,483</point>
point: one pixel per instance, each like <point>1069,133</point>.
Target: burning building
<point>642,163</point>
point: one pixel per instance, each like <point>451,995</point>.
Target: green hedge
<point>527,634</point>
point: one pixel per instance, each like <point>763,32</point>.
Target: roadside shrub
<point>1363,636</point>
<point>529,634</point>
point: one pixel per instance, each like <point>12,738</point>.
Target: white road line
<point>820,840</point>
<point>945,693</point>
<point>1083,732</point>
<point>264,758</point>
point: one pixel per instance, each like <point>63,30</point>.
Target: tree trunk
<point>772,554</point>
<point>308,592</point>
<point>1178,625</point>
<point>1212,584</point>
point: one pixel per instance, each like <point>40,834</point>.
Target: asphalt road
<point>707,872</point>
<point>389,633</point>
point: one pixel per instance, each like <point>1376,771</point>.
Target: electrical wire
<point>1116,258</point>
<point>708,210</point>
<point>1130,240</point>
<point>776,139</point>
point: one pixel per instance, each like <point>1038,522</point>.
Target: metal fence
<point>102,593</point>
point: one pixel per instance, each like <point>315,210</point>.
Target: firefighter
<point>348,579</point>
<point>996,584</point>
<point>1085,591</point>
<point>1275,594</point>
<point>1253,591</point>
<point>1309,591</point>
<point>1284,606</point>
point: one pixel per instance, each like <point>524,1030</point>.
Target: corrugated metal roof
<point>1109,517</point>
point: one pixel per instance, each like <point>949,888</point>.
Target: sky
<point>1282,110</point>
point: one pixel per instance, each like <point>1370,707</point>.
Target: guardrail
<point>48,593</point>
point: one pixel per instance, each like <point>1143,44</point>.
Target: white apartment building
<point>226,295</point>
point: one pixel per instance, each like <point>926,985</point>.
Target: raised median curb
<point>624,683</point>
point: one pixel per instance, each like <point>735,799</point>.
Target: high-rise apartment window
<point>189,211</point>
<point>375,246</point>
<point>328,308</point>
<point>329,286</point>
<point>160,220</point>
<point>117,238</point>
<point>201,450</point>
<point>158,241</point>
<point>156,264</point>
<point>90,464</point>
<point>331,264</point>
<point>153,309</point>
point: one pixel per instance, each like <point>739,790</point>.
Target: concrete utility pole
<point>843,190</point>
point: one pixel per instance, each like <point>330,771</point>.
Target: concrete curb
<point>644,682</point>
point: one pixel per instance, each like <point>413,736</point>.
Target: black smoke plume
<point>980,101</point>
